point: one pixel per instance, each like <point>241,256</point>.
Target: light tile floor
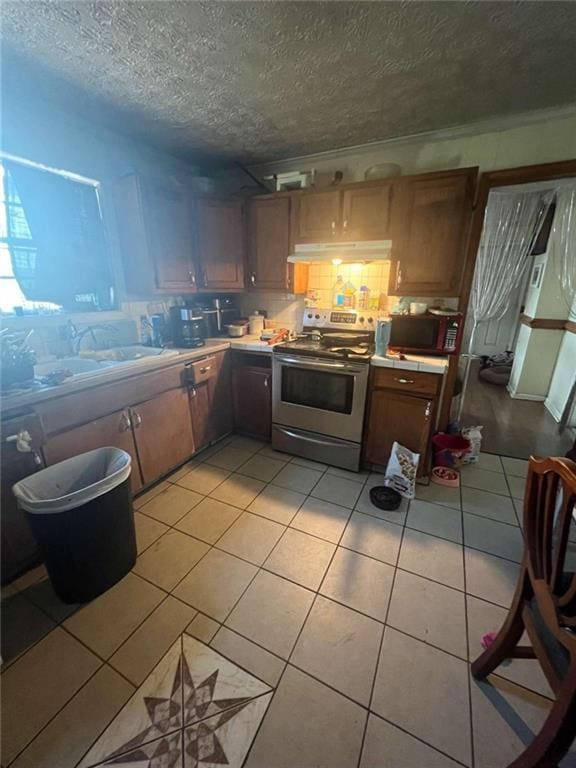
<point>362,623</point>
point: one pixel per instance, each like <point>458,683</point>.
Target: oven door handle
<point>300,436</point>
<point>318,364</point>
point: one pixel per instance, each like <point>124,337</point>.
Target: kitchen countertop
<point>24,398</point>
<point>246,344</point>
<point>425,363</point>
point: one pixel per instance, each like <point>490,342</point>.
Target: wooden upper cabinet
<point>220,250</point>
<point>316,216</point>
<point>429,239</point>
<point>366,213</point>
<point>154,219</point>
<point>268,243</point>
<point>169,222</point>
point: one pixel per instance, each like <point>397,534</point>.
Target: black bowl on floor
<point>385,498</point>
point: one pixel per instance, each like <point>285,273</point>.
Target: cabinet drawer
<point>415,382</point>
<point>201,370</point>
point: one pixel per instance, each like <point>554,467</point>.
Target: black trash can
<point>80,511</point>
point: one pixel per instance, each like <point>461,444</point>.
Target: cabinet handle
<point>428,410</point>
<point>193,392</point>
<point>253,278</point>
<point>137,419</point>
<point>398,275</point>
<point>267,382</point>
<point>333,227</point>
<point>204,279</point>
<point>192,277</point>
<point>125,422</point>
<point>345,224</point>
<point>206,369</point>
<point>404,381</point>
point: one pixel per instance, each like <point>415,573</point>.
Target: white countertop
<point>245,344</point>
<point>426,363</point>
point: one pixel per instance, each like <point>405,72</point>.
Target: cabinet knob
<point>137,419</point>
<point>253,278</point>
<point>192,277</point>
<point>206,369</point>
<point>125,422</point>
<point>193,392</point>
<point>345,224</point>
<point>404,381</point>
<point>333,227</point>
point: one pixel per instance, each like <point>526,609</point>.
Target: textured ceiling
<point>266,80</point>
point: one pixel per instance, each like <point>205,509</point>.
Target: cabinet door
<point>268,243</point>
<point>114,430</point>
<point>393,417</point>
<point>220,244</point>
<point>220,389</point>
<point>19,548</point>
<point>252,395</point>
<point>430,243</point>
<point>366,213</point>
<point>168,216</point>
<point>154,227</point>
<point>200,408</point>
<point>316,216</point>
<point>163,432</point>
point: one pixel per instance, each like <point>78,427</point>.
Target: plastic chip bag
<point>401,471</point>
<point>474,436</point>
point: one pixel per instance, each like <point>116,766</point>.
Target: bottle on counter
<point>349,295</point>
<point>338,292</point>
<point>363,297</point>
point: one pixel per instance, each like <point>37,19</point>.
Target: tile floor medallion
<point>196,708</point>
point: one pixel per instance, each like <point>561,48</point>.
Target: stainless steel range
<point>319,385</point>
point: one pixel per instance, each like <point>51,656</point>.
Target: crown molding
<point>490,125</point>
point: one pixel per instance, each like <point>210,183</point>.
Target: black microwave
<point>427,334</point>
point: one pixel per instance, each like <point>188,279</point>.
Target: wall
<point>537,350</point>
<point>540,137</point>
<point>563,375</point>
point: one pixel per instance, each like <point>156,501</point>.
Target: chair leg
<point>558,732</point>
<point>509,634</point>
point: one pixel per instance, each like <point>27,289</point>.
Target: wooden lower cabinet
<point>404,418</point>
<point>163,432</point>
<point>114,430</point>
<point>19,548</point>
<point>200,410</point>
<point>252,396</point>
<point>211,401</point>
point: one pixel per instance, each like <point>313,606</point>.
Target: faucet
<point>79,335</point>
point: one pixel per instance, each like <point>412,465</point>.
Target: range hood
<point>350,252</point>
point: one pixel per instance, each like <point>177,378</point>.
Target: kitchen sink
<point>126,354</point>
<point>92,362</point>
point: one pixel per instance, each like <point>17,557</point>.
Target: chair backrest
<point>548,514</point>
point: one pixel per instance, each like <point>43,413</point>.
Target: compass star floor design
<point>196,709</point>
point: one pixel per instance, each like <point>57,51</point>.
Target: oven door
<point>318,395</point>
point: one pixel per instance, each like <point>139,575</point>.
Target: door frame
<point>506,177</point>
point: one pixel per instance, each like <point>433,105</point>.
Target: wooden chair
<point>545,606</point>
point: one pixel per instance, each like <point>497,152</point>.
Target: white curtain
<point>564,231</point>
<point>511,223</point>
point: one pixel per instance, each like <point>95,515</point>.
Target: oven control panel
<point>352,319</point>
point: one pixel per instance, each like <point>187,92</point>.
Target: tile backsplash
<point>282,309</point>
<point>374,275</point>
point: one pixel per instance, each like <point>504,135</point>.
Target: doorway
<point>520,350</point>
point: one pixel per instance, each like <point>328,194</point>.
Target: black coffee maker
<point>188,327</point>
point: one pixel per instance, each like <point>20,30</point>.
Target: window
<point>52,246</point>
<point>15,237</point>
